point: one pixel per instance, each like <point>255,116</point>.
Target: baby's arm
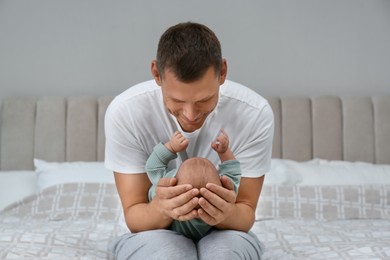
<point>221,146</point>
<point>177,143</point>
<point>157,163</point>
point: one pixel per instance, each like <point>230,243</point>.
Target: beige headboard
<point>71,129</point>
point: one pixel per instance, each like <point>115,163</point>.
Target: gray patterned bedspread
<point>79,221</point>
<point>69,221</point>
<point>324,222</point>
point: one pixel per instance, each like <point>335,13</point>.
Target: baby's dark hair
<point>188,50</point>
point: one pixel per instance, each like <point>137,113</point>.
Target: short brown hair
<point>188,50</point>
<point>198,172</point>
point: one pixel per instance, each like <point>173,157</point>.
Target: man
<point>189,94</point>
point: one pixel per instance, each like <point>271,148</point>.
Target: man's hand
<point>217,203</point>
<point>177,202</point>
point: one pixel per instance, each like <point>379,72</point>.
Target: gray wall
<point>276,47</point>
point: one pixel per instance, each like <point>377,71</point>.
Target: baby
<point>198,172</point>
<point>195,171</point>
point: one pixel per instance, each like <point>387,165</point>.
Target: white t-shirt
<point>136,120</point>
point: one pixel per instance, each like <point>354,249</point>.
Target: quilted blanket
<point>63,222</point>
<point>80,220</point>
<point>324,222</point>
<point>325,202</point>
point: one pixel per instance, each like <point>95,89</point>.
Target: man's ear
<point>223,72</point>
<point>155,73</point>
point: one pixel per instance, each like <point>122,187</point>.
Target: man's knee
<point>156,244</point>
<point>228,244</point>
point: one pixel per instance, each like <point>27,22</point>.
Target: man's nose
<point>190,112</point>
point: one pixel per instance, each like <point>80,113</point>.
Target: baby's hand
<point>177,143</point>
<point>221,144</point>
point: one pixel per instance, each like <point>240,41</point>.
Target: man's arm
<point>171,202</point>
<point>219,206</point>
<point>221,209</point>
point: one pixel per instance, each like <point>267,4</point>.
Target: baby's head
<point>198,172</point>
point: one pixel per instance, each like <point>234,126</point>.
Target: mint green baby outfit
<point>156,168</point>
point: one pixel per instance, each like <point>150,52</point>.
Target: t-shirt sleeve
<point>123,154</point>
<point>255,154</point>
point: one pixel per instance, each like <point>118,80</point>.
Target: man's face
<point>192,102</point>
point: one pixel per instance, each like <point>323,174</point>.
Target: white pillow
<point>52,173</point>
<point>280,175</point>
<point>323,172</point>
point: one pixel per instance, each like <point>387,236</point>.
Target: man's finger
<point>172,191</point>
<point>166,182</point>
<point>224,192</point>
<point>227,183</point>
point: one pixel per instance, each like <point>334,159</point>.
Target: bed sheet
<point>324,222</point>
<point>67,221</point>
<point>81,220</point>
<point>15,185</point>
<point>314,239</point>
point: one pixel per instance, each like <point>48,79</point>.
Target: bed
<point>327,195</point>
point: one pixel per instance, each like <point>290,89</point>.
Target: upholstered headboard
<point>71,129</point>
<point>51,128</point>
<point>333,128</point>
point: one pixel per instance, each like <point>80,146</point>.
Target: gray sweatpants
<point>167,244</point>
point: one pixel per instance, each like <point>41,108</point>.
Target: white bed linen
<point>15,185</point>
<point>67,221</point>
<point>318,172</point>
<point>294,221</point>
<point>53,173</point>
<point>324,222</point>
<point>313,239</point>
<point>81,220</point>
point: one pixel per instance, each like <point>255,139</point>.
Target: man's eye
<point>178,101</point>
<point>202,103</point>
